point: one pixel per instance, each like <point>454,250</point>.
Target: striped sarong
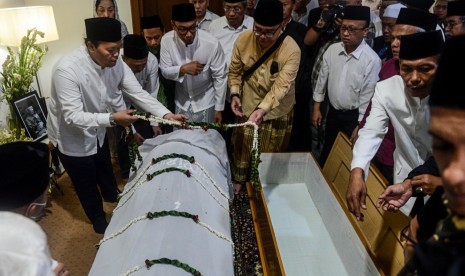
<point>274,136</point>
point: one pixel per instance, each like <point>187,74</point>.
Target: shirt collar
<point>241,27</point>
<point>357,53</point>
<point>183,45</point>
<point>207,17</point>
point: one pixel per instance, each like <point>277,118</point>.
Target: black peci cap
<point>103,29</point>
<point>135,47</point>
<point>184,12</point>
<point>357,13</point>
<point>149,22</point>
<point>421,45</point>
<point>24,167</point>
<point>447,88</point>
<point>268,13</point>
<point>419,18</point>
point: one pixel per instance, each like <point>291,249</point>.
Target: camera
<point>333,11</point>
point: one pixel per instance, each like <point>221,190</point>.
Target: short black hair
<point>94,42</point>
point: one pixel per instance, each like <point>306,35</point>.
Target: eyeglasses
<point>350,29</point>
<point>440,7</point>
<point>266,34</point>
<point>451,23</point>
<point>235,9</point>
<point>182,31</point>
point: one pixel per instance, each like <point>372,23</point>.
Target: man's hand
<point>60,270</point>
<point>124,117</point>
<point>427,181</point>
<point>218,117</point>
<point>316,116</point>
<point>236,106</point>
<point>139,139</point>
<point>356,193</point>
<point>156,131</point>
<point>176,117</point>
<point>354,136</point>
<point>395,196</point>
<point>192,68</point>
<point>257,116</point>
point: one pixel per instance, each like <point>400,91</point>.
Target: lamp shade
<point>16,22</point>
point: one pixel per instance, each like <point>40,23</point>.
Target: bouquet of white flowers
<point>19,70</point>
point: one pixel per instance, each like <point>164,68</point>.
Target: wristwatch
<point>112,120</point>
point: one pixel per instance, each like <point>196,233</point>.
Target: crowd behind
<point>303,71</point>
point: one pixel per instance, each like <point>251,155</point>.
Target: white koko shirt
<point>82,98</point>
<point>410,118</point>
<point>201,91</point>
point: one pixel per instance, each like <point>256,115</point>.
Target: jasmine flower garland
<point>171,169</point>
<point>150,263</point>
<point>152,215</point>
<point>255,152</point>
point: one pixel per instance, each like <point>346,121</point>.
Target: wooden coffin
<point>300,225</point>
<point>380,231</point>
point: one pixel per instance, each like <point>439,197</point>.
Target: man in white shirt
<point>203,15</point>
<point>194,59</point>
<point>85,84</point>
<point>403,101</point>
<point>349,71</point>
<point>144,65</point>
<point>228,27</point>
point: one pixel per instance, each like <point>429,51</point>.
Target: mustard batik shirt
<point>271,86</point>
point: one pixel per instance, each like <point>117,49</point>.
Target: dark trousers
<point>228,118</point>
<point>88,174</point>
<point>386,171</point>
<point>337,120</point>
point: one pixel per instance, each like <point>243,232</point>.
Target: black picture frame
<point>29,109</point>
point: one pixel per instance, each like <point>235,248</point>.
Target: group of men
<point>93,88</point>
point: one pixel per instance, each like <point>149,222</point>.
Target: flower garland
<point>133,148</point>
<point>255,152</point>
<point>152,215</point>
<point>170,169</point>
<point>174,262</point>
<point>149,177</point>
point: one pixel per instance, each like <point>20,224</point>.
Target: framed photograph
<point>29,109</point>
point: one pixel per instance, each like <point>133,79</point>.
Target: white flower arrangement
<point>19,70</point>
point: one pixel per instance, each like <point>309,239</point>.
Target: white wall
<point>69,17</point>
<point>7,4</point>
<point>11,3</point>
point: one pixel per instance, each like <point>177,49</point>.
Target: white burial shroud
<point>173,237</point>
